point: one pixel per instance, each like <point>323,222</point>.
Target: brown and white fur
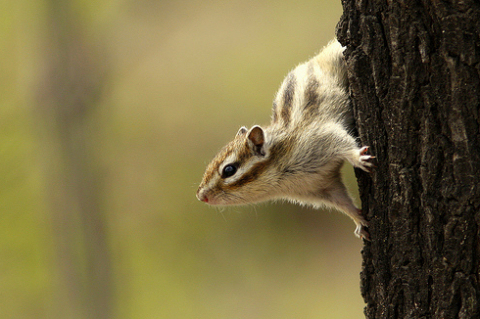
<point>299,155</point>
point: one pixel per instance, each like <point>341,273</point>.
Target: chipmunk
<point>299,155</point>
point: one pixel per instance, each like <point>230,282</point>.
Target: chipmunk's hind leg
<point>337,196</point>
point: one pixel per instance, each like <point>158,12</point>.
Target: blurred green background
<point>109,112</point>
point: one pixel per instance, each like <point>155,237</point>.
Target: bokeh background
<point>109,112</point>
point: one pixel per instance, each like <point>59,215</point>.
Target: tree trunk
<point>414,70</point>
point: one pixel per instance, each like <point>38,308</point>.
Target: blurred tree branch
<point>68,90</point>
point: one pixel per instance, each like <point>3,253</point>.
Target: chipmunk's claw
<point>362,224</point>
<point>364,160</point>
<point>362,233</point>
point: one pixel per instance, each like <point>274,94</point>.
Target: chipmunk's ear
<point>256,140</point>
<point>242,131</point>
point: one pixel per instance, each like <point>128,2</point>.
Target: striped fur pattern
<point>299,155</point>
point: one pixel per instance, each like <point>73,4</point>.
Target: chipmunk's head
<point>239,173</point>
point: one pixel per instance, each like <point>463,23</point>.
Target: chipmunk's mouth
<point>214,198</point>
<point>205,196</point>
<point>208,198</point>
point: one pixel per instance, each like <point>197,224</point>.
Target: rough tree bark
<point>414,69</point>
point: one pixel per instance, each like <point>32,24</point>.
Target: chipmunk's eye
<point>229,170</point>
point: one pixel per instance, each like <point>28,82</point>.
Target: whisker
<point>223,215</point>
<point>256,212</point>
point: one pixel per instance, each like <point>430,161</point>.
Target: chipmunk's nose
<point>202,196</point>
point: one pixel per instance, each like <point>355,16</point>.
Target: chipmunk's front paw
<point>365,160</point>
